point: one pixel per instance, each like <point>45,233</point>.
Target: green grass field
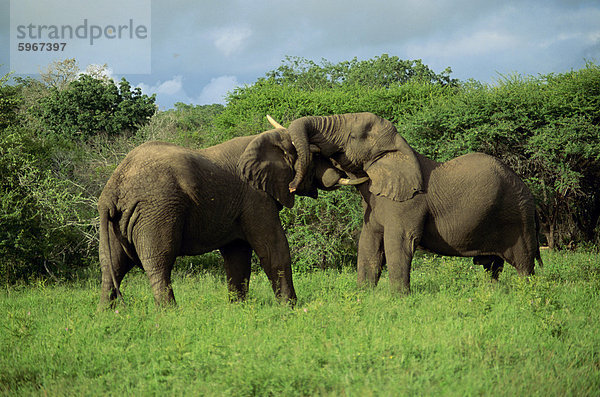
<point>457,334</point>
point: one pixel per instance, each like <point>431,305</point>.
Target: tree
<point>383,71</point>
<point>9,103</point>
<point>566,174</point>
<point>59,74</point>
<point>40,213</point>
<point>302,73</point>
<point>89,106</point>
<point>99,72</point>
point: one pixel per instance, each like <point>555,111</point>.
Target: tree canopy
<point>382,72</point>
<point>90,106</point>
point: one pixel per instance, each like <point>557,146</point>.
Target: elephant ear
<point>397,174</point>
<point>267,165</point>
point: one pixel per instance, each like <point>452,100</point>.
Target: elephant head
<point>268,165</point>
<point>359,141</point>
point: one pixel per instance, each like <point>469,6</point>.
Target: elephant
<point>164,201</point>
<point>471,206</point>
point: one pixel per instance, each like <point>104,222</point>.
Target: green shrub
<point>247,107</point>
<point>10,100</point>
<point>45,220</point>
<point>323,233</point>
<point>90,106</point>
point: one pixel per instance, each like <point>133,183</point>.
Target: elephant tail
<point>105,246</point>
<point>538,257</point>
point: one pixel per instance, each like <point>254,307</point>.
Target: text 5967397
<point>41,47</point>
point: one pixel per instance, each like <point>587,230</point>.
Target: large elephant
<point>473,205</point>
<point>165,201</point>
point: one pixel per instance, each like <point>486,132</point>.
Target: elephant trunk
<point>323,131</point>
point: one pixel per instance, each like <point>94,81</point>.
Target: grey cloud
<point>240,39</point>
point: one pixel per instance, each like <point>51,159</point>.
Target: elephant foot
<point>289,300</point>
<point>165,298</point>
<point>400,289</point>
<point>108,300</point>
<point>366,284</point>
<point>237,295</point>
<point>401,292</point>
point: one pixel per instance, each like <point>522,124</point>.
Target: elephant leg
<point>491,263</point>
<point>158,269</point>
<point>370,255</point>
<point>237,257</point>
<point>264,233</point>
<point>277,264</point>
<point>497,267</point>
<point>522,257</point>
<point>274,253</point>
<point>399,251</point>
<point>157,244</point>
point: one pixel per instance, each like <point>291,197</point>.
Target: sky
<point>197,51</point>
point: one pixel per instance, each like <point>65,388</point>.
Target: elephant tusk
<point>313,148</point>
<point>352,182</point>
<point>273,122</point>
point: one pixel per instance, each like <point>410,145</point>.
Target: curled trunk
<point>326,132</point>
<point>361,143</point>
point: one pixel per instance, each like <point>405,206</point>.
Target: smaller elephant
<point>472,206</point>
<point>165,201</point>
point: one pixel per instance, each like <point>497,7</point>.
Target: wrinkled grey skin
<point>361,143</point>
<point>471,206</point>
<point>165,201</point>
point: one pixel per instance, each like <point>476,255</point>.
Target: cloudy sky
<point>200,50</point>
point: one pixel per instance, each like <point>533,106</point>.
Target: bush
<point>324,233</point>
<point>45,219</point>
<point>247,107</point>
<point>10,101</point>
<point>90,106</point>
<point>546,128</point>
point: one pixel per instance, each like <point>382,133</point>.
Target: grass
<point>457,334</point>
